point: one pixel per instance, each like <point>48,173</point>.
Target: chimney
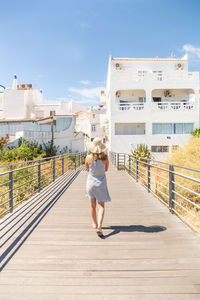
<point>14,82</point>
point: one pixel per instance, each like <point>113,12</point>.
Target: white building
<point>92,122</point>
<point>61,128</point>
<point>23,101</point>
<point>21,110</point>
<point>151,101</point>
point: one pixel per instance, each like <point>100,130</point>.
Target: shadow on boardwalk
<point>133,228</point>
<point>23,222</point>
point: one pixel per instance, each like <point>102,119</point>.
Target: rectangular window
<point>162,128</point>
<point>159,75</point>
<point>159,148</point>
<point>174,148</point>
<point>142,73</point>
<point>93,127</point>
<point>129,128</point>
<point>172,128</point>
<point>157,99</point>
<point>142,99</point>
<point>188,127</point>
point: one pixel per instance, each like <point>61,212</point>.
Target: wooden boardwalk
<point>147,253</point>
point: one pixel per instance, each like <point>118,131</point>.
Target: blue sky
<point>62,46</point>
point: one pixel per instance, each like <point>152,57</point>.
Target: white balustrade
<point>164,106</point>
<point>128,106</point>
<point>175,106</point>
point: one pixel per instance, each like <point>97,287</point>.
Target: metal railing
<point>175,186</point>
<point>20,181</point>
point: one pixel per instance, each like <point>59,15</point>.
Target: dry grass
<point>27,186</point>
<point>188,156</point>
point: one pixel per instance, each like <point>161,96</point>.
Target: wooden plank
<point>136,260</point>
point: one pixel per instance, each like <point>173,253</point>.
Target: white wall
<point>126,79</point>
<point>14,104</point>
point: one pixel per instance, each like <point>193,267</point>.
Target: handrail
<point>21,180</point>
<point>178,191</point>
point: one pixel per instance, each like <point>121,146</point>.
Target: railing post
<point>63,164</point>
<point>11,189</point>
<point>118,161</point>
<point>75,162</point>
<point>39,175</point>
<point>137,174</point>
<point>129,165</point>
<point>54,169</point>
<point>149,175</point>
<point>171,188</point>
<point>79,156</point>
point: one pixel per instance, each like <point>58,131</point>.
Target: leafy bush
<point>25,151</point>
<point>196,132</point>
<point>142,152</point>
<point>50,149</point>
<point>4,141</point>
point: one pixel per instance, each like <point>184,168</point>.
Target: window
<point>162,128</point>
<point>142,73</point>
<point>174,148</point>
<point>172,128</point>
<point>157,99</point>
<point>159,148</point>
<point>142,99</point>
<point>129,128</point>
<point>93,127</point>
<point>159,75</point>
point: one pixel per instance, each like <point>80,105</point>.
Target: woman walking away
<point>96,188</point>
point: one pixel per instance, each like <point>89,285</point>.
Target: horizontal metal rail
<point>173,190</point>
<point>19,176</point>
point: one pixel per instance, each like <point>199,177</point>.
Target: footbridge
<point>49,250</point>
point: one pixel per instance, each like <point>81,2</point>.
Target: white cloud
<point>84,25</point>
<point>39,76</point>
<point>87,102</point>
<point>192,50</point>
<point>85,82</point>
<point>93,93</point>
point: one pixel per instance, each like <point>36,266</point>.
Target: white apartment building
<point>151,101</point>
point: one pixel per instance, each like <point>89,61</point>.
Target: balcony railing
<point>131,106</point>
<point>175,106</point>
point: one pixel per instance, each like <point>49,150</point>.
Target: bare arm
<point>107,165</point>
<point>87,163</point>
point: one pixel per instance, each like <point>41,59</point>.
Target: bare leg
<point>101,208</point>
<point>93,212</point>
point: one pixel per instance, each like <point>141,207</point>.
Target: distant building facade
<point>24,113</point>
<point>23,101</point>
<point>92,122</point>
<point>151,101</point>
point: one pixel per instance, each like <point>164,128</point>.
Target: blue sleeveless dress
<point>96,186</point>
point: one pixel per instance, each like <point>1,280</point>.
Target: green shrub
<point>50,149</point>
<point>196,132</point>
<point>142,152</point>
